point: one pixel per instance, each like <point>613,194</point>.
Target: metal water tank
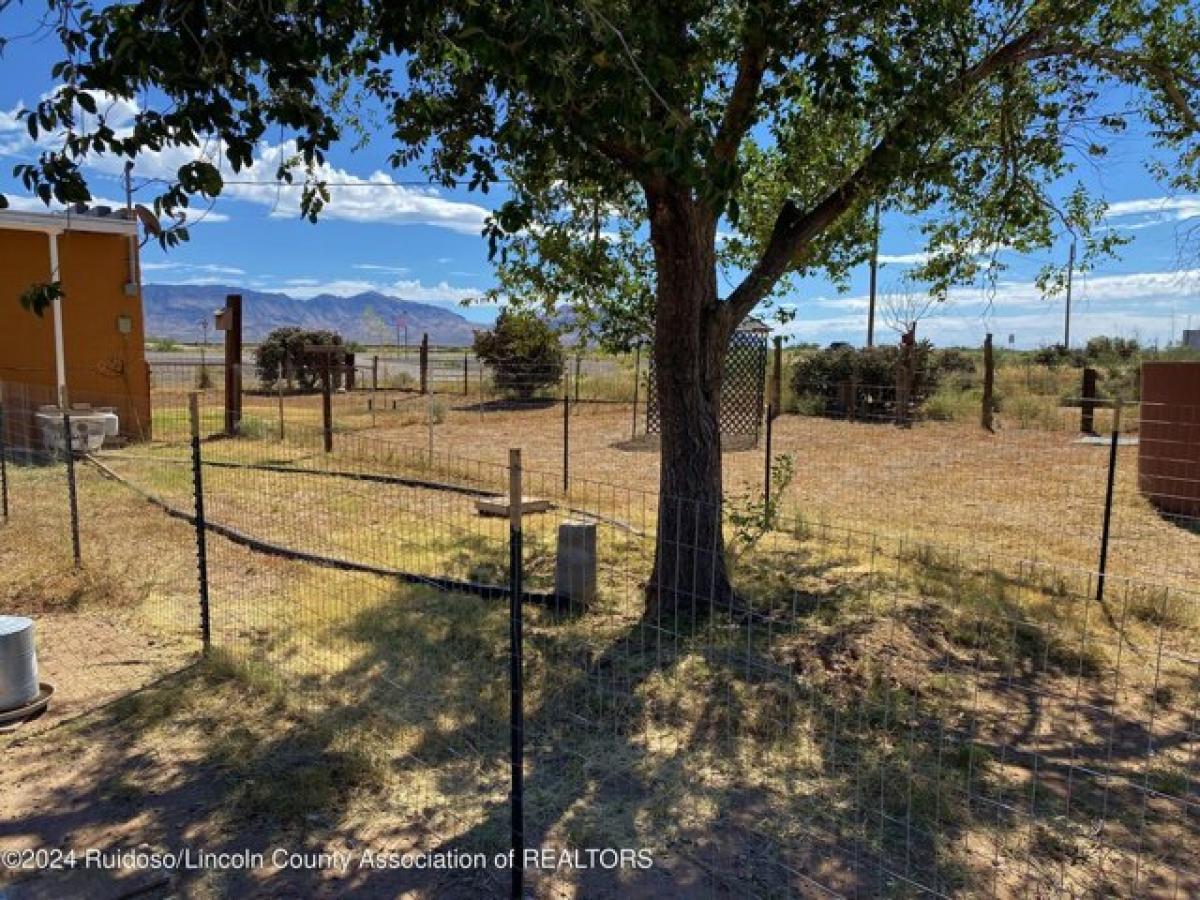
<point>18,663</point>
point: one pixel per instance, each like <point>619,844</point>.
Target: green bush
<point>952,403</point>
<point>1101,348</point>
<point>523,351</point>
<point>1059,355</point>
<point>282,357</point>
<point>817,378</point>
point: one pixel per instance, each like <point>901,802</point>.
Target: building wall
<point>1169,438</point>
<point>104,366</point>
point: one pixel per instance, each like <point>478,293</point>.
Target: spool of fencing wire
<point>18,663</point>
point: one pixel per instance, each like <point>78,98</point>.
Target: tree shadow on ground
<point>509,404</point>
<point>822,744</point>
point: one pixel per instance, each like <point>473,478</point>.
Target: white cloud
<point>1150,211</point>
<point>374,198</point>
<point>373,267</point>
<point>442,293</point>
<point>209,268</point>
<point>904,259</point>
<point>1176,208</point>
<point>34,204</point>
<point>1134,304</point>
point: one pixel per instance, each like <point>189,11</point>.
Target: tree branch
<point>794,227</point>
<point>743,98</point>
<point>1118,62</point>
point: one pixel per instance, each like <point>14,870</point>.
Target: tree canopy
<point>779,117</point>
<point>735,143</point>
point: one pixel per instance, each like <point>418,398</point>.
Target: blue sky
<point>422,243</point>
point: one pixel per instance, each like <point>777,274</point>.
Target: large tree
<point>778,120</point>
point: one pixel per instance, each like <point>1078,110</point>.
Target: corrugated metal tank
<point>1169,437</point>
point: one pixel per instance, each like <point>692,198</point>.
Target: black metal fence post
<point>72,495</point>
<point>516,686</point>
<point>637,377</point>
<point>566,442</point>
<point>3,461</point>
<point>201,527</point>
<point>327,405</point>
<point>1108,502</point>
<point>767,463</point>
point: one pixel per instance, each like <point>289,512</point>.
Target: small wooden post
<point>374,374</point>
<point>578,364</point>
<point>466,375</point>
<point>1087,405</point>
<point>326,352</point>
<point>425,363</point>
<point>989,382</point>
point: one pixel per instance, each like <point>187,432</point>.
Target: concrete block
<point>575,564</point>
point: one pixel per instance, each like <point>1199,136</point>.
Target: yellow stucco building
<point>102,354</point>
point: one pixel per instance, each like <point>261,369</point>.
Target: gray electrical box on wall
<point>124,324</point>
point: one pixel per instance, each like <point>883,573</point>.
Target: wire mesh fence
<point>937,665</point>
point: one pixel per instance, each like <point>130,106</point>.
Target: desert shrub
<point>401,381</point>
<point>282,357</point>
<point>1032,411</point>
<point>523,351</point>
<point>817,378</point>
<point>1057,355</point>
<point>437,411</point>
<point>163,345</point>
<point>953,403</point>
<point>1101,348</point>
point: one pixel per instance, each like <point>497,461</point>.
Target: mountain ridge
<point>176,311</point>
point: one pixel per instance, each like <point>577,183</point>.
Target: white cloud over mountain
<point>374,198</point>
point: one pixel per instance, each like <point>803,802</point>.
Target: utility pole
<point>1070,278</point>
<point>874,276</point>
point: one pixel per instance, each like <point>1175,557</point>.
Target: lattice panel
<point>742,390</point>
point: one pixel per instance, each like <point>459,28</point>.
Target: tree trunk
<point>689,581</point>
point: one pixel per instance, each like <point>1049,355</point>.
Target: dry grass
<point>894,710</point>
<point>1017,495</point>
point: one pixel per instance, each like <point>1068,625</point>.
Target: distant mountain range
<point>175,311</point>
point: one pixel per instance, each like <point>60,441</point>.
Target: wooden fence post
<point>1087,405</point>
<point>425,363</point>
